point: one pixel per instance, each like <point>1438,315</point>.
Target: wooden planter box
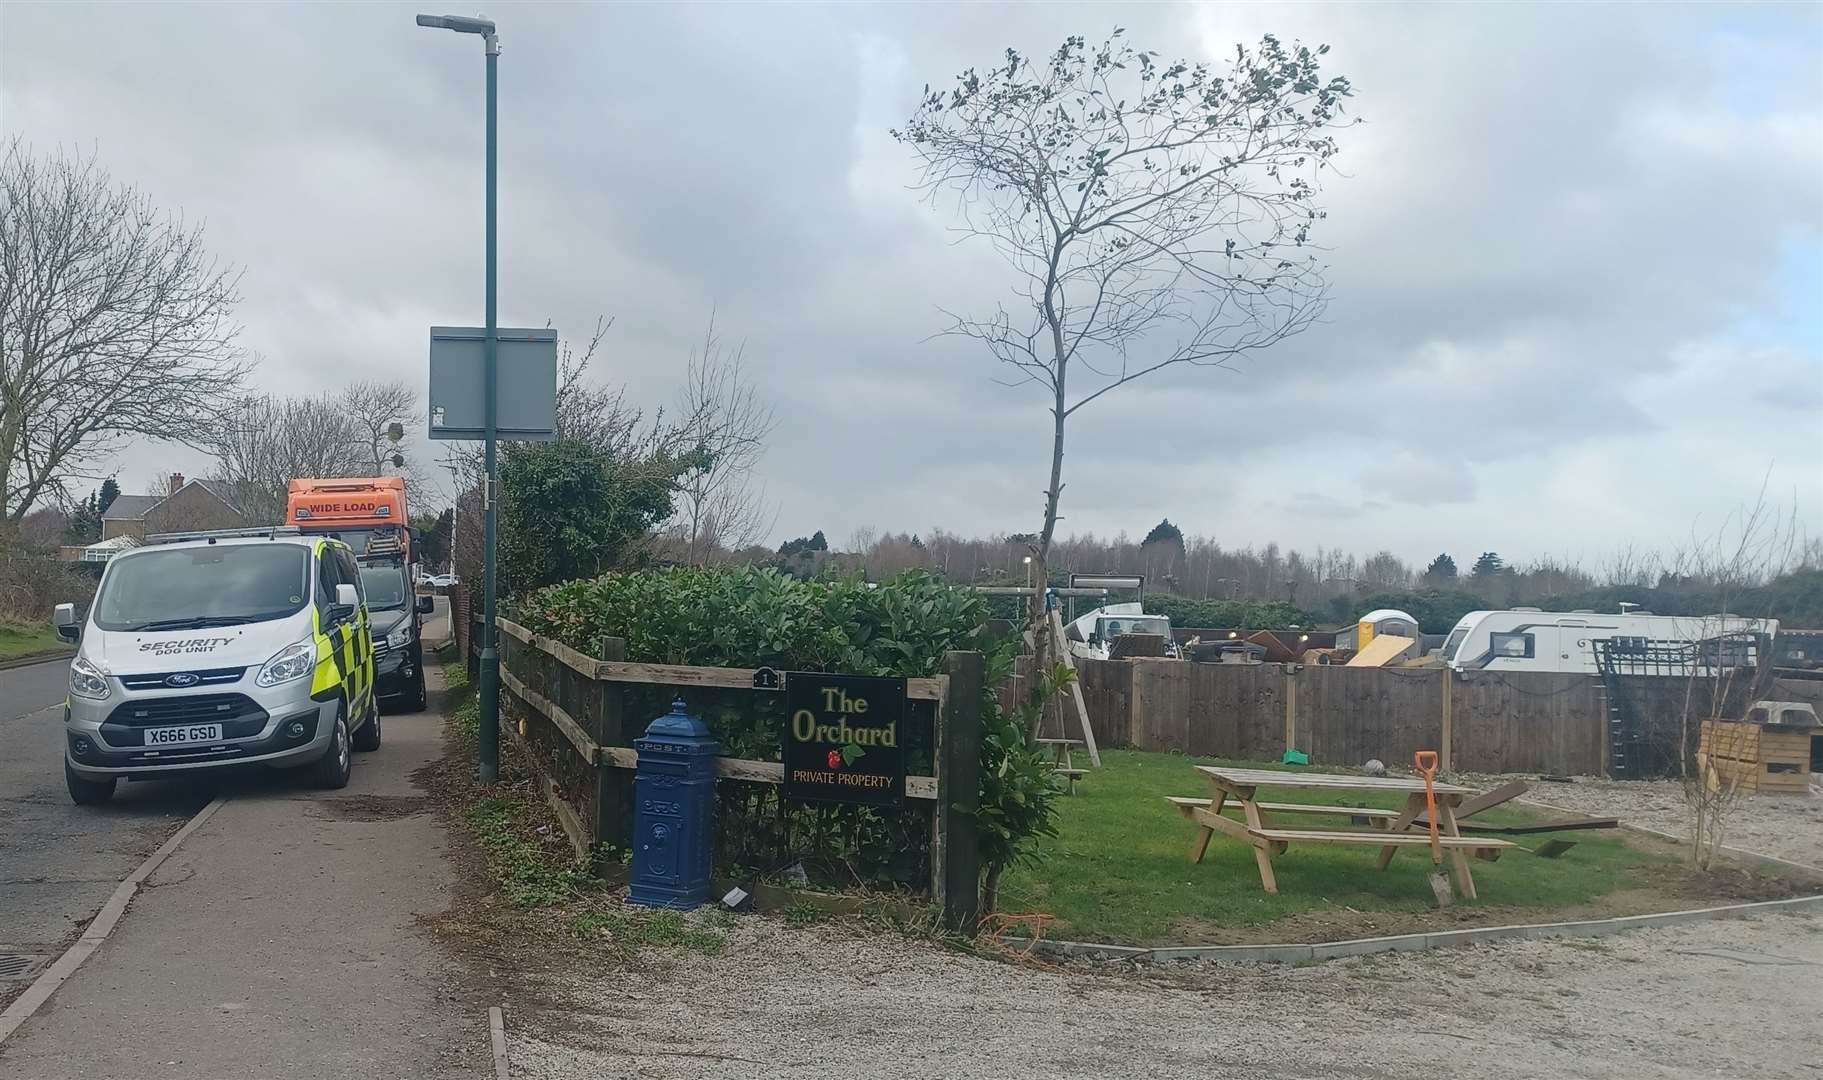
<point>1763,762</point>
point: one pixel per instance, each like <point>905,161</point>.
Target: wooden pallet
<point>1760,761</point>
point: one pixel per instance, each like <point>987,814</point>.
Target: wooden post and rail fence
<point>587,762</point>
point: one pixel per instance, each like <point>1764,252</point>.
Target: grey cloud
<point>1544,212</point>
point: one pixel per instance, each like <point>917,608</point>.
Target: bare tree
<point>263,442</point>
<point>1154,216</point>
<point>373,406</point>
<point>1729,667</point>
<point>719,506</point>
<point>115,323</point>
<point>586,409</point>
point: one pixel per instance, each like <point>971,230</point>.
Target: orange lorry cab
<point>366,513</point>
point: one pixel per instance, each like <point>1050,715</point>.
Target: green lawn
<point>18,640</point>
<point>1119,870</point>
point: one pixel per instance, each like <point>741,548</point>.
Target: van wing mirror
<point>63,620</point>
<point>427,605</point>
<point>346,602</point>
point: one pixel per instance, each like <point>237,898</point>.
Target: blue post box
<point>674,810</point>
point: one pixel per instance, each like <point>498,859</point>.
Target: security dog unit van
<point>213,650</point>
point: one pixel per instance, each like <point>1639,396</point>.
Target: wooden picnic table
<point>1387,830</point>
<point>1060,759</point>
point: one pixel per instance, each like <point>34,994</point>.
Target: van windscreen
<point>207,585</point>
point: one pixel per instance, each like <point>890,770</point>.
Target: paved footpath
<point>279,941</point>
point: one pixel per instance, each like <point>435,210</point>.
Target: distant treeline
<point>1198,582</point>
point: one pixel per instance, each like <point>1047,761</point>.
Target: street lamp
<point>1028,573</point>
<point>490,655</point>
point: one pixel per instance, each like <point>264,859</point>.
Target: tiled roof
<point>130,507</point>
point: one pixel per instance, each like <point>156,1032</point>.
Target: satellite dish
<point>398,461</point>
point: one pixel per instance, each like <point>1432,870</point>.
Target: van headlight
<point>87,680</point>
<point>292,662</point>
<point>399,638</point>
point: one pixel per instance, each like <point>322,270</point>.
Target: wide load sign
<point>844,739</point>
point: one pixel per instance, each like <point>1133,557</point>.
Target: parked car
<point>219,650</point>
<point>443,581</point>
<point>398,646</point>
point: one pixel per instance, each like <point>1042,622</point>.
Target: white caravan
<point>1091,635</point>
<point>1526,639</point>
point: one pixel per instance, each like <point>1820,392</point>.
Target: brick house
<point>189,504</point>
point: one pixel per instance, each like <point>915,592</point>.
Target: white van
<point>1092,636</point>
<point>1527,639</point>
<point>248,647</point>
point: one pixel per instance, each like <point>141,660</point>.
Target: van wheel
<point>85,792</point>
<point>333,768</point>
<point>368,738</point>
<point>419,700</point>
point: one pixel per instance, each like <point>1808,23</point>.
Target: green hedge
<point>747,617</point>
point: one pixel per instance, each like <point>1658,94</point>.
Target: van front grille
<point>160,681</point>
<point>188,709</point>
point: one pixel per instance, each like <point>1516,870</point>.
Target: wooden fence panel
<point>1161,704</point>
<point>1107,689</point>
<point>1528,722</point>
<point>1256,701</point>
<point>1349,715</point>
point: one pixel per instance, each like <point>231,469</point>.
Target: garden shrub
<point>748,617</point>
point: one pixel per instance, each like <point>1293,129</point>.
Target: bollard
<point>674,809</point>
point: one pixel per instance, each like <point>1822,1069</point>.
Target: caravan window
<point>1455,642</point>
<point>1514,646</point>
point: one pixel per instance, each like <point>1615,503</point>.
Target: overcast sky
<point>1576,251</point>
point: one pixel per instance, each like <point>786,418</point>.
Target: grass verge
<point>1118,871</point>
<point>538,895</point>
<point>18,639</point>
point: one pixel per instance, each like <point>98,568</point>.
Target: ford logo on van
<point>181,679</point>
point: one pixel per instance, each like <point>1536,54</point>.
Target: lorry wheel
<point>333,768</point>
<point>368,738</point>
<point>84,792</point>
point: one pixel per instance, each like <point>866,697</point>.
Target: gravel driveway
<point>1788,826</point>
<point>1730,999</point>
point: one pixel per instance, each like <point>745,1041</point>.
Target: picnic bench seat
<point>1476,843</point>
<point>1060,759</point>
<point>1373,814</point>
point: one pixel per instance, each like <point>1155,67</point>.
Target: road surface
<point>60,862</point>
<point>280,941</point>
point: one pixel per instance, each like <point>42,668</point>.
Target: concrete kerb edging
<point>496,1032</point>
<point>1335,950</point>
<point>29,659</point>
<point>98,930</point>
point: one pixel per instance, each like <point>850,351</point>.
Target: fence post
<point>1444,757</point>
<point>1291,706</point>
<point>955,848</point>
<point>613,786</point>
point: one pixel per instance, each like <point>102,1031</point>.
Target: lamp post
<point>490,655</point>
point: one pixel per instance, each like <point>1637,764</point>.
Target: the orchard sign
<point>844,738</point>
